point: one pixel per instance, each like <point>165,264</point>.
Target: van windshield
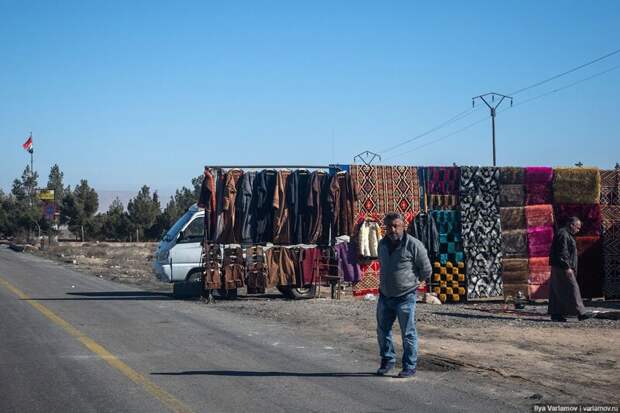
<point>172,232</point>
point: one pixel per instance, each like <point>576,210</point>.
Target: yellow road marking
<point>168,399</point>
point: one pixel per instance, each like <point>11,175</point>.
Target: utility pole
<point>492,106</point>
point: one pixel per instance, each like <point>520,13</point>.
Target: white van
<point>178,256</point>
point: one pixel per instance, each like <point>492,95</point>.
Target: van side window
<point>195,231</point>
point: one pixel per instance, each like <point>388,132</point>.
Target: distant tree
<point>23,211</point>
<point>78,208</point>
<point>116,224</point>
<point>197,185</point>
<point>143,211</point>
<point>54,182</point>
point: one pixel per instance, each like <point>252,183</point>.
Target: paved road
<point>76,343</point>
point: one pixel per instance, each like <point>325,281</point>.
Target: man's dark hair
<point>573,220</point>
<point>393,216</point>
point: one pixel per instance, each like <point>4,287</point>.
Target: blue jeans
<point>388,309</point>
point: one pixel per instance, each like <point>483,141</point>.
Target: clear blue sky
<point>146,92</point>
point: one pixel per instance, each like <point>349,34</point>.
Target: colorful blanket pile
<point>450,241</point>
<point>540,276</point>
<point>515,276</point>
<point>576,186</point>
<point>380,190</point>
<point>383,189</point>
<point>538,185</point>
<point>442,187</point>
<point>540,220</point>
<point>590,216</point>
<point>448,281</point>
<point>481,231</point>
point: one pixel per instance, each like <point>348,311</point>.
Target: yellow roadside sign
<point>46,194</point>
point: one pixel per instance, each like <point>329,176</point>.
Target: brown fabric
<point>512,218</point>
<point>212,259</point>
<point>512,289</point>
<point>515,273</point>
<point>514,243</point>
<point>315,204</point>
<point>512,195</point>
<point>342,198</point>
<point>576,186</point>
<point>281,218</point>
<point>510,175</point>
<point>539,215</point>
<point>515,265</point>
<point>229,207</point>
<point>564,295</point>
<point>207,201</point>
<point>256,270</point>
<point>443,201</point>
<point>233,268</point>
<point>280,267</point>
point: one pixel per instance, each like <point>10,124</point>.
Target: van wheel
<point>195,276</point>
<point>294,293</point>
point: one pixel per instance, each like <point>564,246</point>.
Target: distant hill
<point>106,198</point>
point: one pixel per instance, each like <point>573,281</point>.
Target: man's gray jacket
<point>403,269</point>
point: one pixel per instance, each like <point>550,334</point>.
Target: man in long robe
<point>564,295</point>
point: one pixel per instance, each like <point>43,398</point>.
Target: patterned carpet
<point>481,231</point>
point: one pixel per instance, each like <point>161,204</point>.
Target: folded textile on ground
<point>538,291</point>
<point>540,270</point>
<point>512,218</point>
<point>590,269</point>
<point>514,243</point>
<point>576,186</point>
<point>590,216</point>
<point>539,241</point>
<point>515,271</point>
<point>511,290</point>
<point>512,195</point>
<point>539,215</point>
<point>509,175</point>
<point>540,276</point>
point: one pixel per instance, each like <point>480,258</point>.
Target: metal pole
<point>492,107</point>
<point>493,126</point>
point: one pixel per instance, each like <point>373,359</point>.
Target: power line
<point>564,87</point>
<point>455,118</point>
<point>508,108</point>
<point>462,115</point>
<point>574,69</point>
<point>439,139</point>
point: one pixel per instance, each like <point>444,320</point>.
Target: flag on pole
<point>28,145</point>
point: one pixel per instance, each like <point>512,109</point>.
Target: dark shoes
<point>385,368</point>
<point>405,374</point>
<point>562,319</point>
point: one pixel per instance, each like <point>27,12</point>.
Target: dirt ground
<point>542,360</point>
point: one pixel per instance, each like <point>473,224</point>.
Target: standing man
<point>564,294</point>
<point>404,265</point>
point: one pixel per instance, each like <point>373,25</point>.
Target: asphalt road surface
<point>71,342</point>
